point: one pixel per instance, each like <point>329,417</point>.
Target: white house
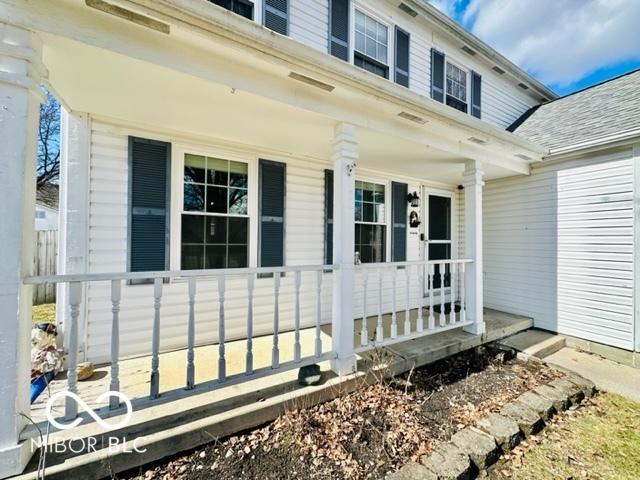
<point>47,208</point>
<point>308,162</point>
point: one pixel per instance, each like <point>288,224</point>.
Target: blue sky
<point>566,44</point>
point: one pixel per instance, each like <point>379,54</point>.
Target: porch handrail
<point>375,266</point>
<point>97,277</point>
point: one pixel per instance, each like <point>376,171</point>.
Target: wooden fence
<point>45,259</point>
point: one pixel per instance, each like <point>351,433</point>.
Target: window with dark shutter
<point>276,15</point>
<point>148,205</point>
<point>476,95</point>
<point>328,217</point>
<point>339,29</point>
<point>399,193</point>
<point>272,198</point>
<point>402,57</point>
<point>437,75</point>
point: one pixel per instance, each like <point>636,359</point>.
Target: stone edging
<point>474,449</point>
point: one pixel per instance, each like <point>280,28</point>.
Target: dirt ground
<point>368,433</point>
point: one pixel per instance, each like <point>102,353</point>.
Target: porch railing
<point>427,288</point>
<point>193,277</point>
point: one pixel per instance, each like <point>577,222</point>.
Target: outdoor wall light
<point>413,199</point>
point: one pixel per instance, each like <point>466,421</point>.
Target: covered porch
<point>173,332</point>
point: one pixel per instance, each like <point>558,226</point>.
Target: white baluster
<point>318,313</point>
<point>154,383</point>
<point>443,318</point>
<point>452,314</point>
<point>394,319</point>
<point>297,354</point>
<point>407,312</point>
<point>114,384</point>
<point>463,307</point>
<point>379,329</point>
<point>364,334</point>
<point>191,335</point>
<point>420,321</point>
<point>75,298</point>
<point>249,357</point>
<point>431,321</point>
<point>275,352</point>
<point>222,362</point>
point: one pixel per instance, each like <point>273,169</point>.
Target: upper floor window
<point>370,227</point>
<point>243,8</point>
<point>456,85</point>
<point>215,221</point>
<point>371,45</point>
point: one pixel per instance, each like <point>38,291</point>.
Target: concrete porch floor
<point>165,428</point>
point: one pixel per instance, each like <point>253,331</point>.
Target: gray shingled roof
<point>606,109</point>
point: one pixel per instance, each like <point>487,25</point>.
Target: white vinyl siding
<point>558,246</point>
<point>309,23</point>
<point>419,63</point>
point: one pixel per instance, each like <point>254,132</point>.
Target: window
<point>371,45</point>
<point>41,214</point>
<point>215,222</point>
<point>456,87</point>
<point>371,230</point>
<point>243,8</point>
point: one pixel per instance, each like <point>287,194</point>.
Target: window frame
<point>466,71</point>
<point>390,38</point>
<point>387,205</point>
<point>248,3</point>
<point>177,206</point>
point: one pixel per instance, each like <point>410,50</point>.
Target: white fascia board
<point>629,136</point>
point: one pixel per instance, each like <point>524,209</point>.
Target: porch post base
<point>476,328</point>
<point>13,460</point>
<point>344,366</point>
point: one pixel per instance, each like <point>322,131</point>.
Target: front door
<point>438,243</point>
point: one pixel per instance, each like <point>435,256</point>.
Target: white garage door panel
<point>559,247</point>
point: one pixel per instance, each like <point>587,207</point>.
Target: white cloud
<point>558,41</point>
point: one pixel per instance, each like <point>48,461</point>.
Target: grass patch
<point>44,313</point>
<point>601,441</point>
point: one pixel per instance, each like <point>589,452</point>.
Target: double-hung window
<point>215,220</point>
<point>244,8</point>
<point>456,87</point>
<point>371,45</point>
<point>370,226</point>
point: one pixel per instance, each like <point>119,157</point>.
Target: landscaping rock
<point>481,448</point>
<point>526,417</point>
<point>413,471</point>
<point>503,429</point>
<point>448,462</point>
<point>309,375</point>
<point>84,371</point>
<point>573,392</point>
<point>559,399</point>
<point>542,405</point>
<point>587,386</point>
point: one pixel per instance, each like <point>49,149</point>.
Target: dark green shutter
<point>437,75</point>
<point>276,15</point>
<point>272,197</point>
<point>328,217</point>
<point>476,95</point>
<point>402,57</point>
<point>339,29</point>
<point>148,205</point>
<point>399,194</point>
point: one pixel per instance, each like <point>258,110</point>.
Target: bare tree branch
<point>48,166</point>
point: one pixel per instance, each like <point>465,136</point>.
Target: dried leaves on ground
<point>370,432</point>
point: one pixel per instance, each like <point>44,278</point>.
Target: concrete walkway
<point>606,374</point>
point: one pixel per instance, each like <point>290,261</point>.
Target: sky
<point>566,44</point>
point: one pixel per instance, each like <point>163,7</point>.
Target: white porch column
<point>73,233</point>
<point>473,183</point>
<point>20,97</point>
<point>344,157</point>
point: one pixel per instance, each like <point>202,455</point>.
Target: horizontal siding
<point>309,23</point>
<point>558,246</point>
<point>419,63</point>
<point>502,105</point>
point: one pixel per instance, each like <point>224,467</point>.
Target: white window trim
<point>387,212</point>
<point>467,78</point>
<point>390,35</point>
<point>177,195</point>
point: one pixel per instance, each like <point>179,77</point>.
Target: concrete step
<point>535,343</point>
